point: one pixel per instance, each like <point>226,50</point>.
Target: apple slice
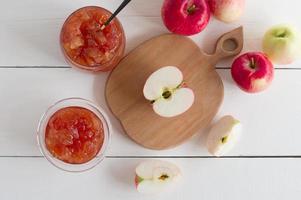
<point>223,135</point>
<point>164,88</point>
<point>154,176</point>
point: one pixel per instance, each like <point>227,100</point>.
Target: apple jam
<point>86,45</point>
<point>74,135</point>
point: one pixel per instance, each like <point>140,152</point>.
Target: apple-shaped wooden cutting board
<point>124,89</point>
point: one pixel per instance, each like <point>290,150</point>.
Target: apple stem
<point>252,64</point>
<point>191,9</point>
<point>183,84</point>
<point>281,34</point>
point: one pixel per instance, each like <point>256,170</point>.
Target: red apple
<point>253,72</point>
<point>185,17</point>
<point>227,10</point>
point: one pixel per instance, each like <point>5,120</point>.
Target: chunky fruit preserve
<point>74,135</point>
<point>86,45</point>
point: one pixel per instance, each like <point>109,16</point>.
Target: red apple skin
<point>227,10</point>
<point>136,181</point>
<point>254,77</point>
<point>178,19</point>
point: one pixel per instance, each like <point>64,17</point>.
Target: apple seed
<point>166,94</point>
<point>224,139</point>
<point>163,177</point>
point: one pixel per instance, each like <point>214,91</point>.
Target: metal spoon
<point>123,4</point>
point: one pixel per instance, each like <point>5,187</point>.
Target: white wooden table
<point>33,74</point>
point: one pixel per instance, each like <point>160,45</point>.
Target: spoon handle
<point>123,4</point>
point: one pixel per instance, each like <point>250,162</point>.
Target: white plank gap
<point>270,119</point>
<point>210,179</point>
<point>31,37</point>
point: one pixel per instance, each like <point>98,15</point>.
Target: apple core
<point>224,139</point>
<point>163,177</point>
<point>166,94</point>
<point>165,90</point>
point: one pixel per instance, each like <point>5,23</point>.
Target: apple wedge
<point>223,135</point>
<point>154,176</point>
<point>165,90</point>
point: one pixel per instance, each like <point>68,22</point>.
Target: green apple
<point>223,135</point>
<point>282,44</point>
<point>154,176</point>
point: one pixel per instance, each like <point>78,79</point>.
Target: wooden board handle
<point>229,44</point>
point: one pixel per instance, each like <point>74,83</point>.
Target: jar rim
<point>101,67</point>
<point>71,102</point>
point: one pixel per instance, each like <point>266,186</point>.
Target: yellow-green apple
<point>223,135</point>
<point>185,17</point>
<point>253,72</point>
<point>227,10</point>
<point>154,176</point>
<point>167,92</point>
<point>282,44</point>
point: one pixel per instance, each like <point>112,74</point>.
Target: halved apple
<point>165,90</point>
<point>223,135</point>
<point>154,176</point>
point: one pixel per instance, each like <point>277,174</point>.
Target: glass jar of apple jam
<point>86,45</point>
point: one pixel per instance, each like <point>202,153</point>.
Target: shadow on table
<point>124,173</point>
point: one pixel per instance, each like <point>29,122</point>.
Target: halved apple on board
<point>167,92</point>
<point>155,176</point>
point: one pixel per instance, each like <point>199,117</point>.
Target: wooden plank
<point>210,179</point>
<point>270,119</point>
<point>30,38</point>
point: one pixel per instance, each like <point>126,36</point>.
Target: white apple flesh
<point>223,135</point>
<point>165,90</point>
<point>282,44</point>
<point>154,176</point>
